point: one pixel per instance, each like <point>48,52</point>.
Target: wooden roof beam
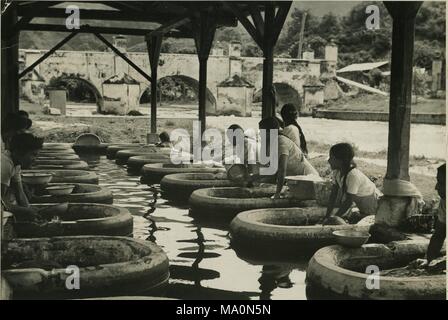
<point>167,27</point>
<point>141,16</point>
<point>47,54</point>
<point>104,30</point>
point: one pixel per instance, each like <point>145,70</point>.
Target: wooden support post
<point>268,99</point>
<point>154,44</point>
<point>265,34</point>
<point>10,62</point>
<point>204,28</point>
<point>403,14</point>
<point>202,92</point>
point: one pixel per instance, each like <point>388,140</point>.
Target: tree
<point>329,26</point>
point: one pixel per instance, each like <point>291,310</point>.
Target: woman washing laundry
<point>243,155</point>
<point>351,186</point>
<point>291,159</point>
<point>165,141</point>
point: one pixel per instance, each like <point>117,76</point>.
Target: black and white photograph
<point>230,152</point>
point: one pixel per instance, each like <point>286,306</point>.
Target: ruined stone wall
<point>96,67</point>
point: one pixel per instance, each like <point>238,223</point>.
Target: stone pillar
<point>313,95</point>
<point>121,43</point>
<point>235,66</point>
<point>331,52</point>
<point>235,49</point>
<point>436,75</point>
<point>308,55</point>
<point>58,100</point>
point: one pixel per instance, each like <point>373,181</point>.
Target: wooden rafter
<point>114,15</point>
<point>250,28</point>
<point>280,18</point>
<point>121,55</point>
<point>257,19</point>
<point>47,54</point>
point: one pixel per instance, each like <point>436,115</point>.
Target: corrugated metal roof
<point>362,66</point>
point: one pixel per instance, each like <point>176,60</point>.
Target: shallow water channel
<point>202,263</point>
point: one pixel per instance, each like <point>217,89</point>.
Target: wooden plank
<point>121,55</point>
<point>244,21</point>
<point>361,86</point>
<point>268,101</point>
<point>9,63</point>
<point>47,54</point>
<point>115,15</point>
<point>400,88</point>
<point>167,27</point>
<point>103,30</point>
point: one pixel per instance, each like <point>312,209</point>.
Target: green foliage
<point>355,43</point>
<point>78,90</point>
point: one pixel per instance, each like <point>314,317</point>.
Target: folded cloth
<point>401,188</point>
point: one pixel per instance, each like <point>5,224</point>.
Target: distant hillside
<point>84,42</point>
<point>341,21</point>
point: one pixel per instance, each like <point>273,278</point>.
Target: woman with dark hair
<point>23,149</point>
<point>165,140</point>
<point>291,160</point>
<point>351,185</point>
<point>289,115</point>
<point>437,239</point>
<point>13,124</point>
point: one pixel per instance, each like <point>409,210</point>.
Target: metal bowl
<point>351,238</point>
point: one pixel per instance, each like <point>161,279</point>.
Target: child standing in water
<point>351,184</point>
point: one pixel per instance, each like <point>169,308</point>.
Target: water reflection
<point>202,264</point>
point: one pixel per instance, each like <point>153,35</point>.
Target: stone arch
<point>285,94</point>
<point>182,82</point>
<point>77,86</point>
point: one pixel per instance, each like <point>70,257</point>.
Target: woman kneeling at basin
<point>351,187</point>
<point>23,148</point>
<point>291,159</point>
